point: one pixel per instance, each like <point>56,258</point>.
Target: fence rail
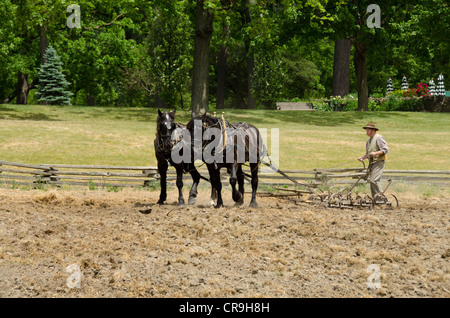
<point>12,173</point>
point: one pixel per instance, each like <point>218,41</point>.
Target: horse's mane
<point>210,121</point>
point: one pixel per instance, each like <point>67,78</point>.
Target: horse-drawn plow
<point>334,196</point>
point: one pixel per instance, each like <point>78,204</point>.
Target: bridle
<point>162,146</point>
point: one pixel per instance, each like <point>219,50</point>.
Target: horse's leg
<point>196,179</point>
<point>213,199</point>
<point>237,196</point>
<point>214,176</point>
<point>162,169</point>
<point>218,189</point>
<point>179,169</point>
<point>254,170</point>
<point>240,179</point>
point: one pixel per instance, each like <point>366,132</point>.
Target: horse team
<point>215,142</point>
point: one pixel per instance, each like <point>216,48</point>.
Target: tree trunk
<point>149,101</point>
<point>341,67</point>
<point>22,88</point>
<point>250,70</point>
<point>360,57</point>
<point>90,100</point>
<point>159,102</point>
<point>200,77</point>
<point>251,101</point>
<point>222,70</point>
<point>43,42</point>
<point>8,99</point>
<point>222,63</point>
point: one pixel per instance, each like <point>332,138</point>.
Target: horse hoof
<point>160,202</point>
<point>237,197</point>
<point>192,201</point>
<point>212,203</point>
<point>219,206</point>
<point>239,203</point>
<point>253,205</point>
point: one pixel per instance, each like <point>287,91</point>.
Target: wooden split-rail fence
<point>15,174</point>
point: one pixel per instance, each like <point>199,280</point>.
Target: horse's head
<point>165,126</point>
<point>206,120</point>
<point>210,121</point>
<point>165,123</point>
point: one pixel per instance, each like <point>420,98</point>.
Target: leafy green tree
<point>52,87</point>
<point>33,22</point>
<point>9,45</point>
<point>96,54</point>
<point>284,48</point>
<point>169,47</point>
<point>403,43</point>
<point>244,53</point>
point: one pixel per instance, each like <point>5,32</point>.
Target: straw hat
<point>370,125</point>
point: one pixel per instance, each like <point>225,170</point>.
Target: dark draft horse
<point>236,144</point>
<point>164,143</point>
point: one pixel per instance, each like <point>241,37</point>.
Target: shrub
<point>352,105</point>
<point>412,105</point>
<point>411,92</point>
<point>397,92</point>
<point>374,105</point>
<point>393,102</point>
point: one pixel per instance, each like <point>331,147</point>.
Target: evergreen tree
<point>52,82</point>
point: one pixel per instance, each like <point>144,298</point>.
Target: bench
<point>294,106</point>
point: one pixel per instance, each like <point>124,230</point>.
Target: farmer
<point>376,150</point>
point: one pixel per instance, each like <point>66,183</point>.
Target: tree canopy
<point>225,53</point>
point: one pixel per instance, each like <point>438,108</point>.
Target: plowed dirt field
<point>69,243</point>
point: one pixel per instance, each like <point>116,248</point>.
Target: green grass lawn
<point>124,136</point>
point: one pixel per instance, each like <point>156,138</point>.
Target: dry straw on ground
<point>278,250</point>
